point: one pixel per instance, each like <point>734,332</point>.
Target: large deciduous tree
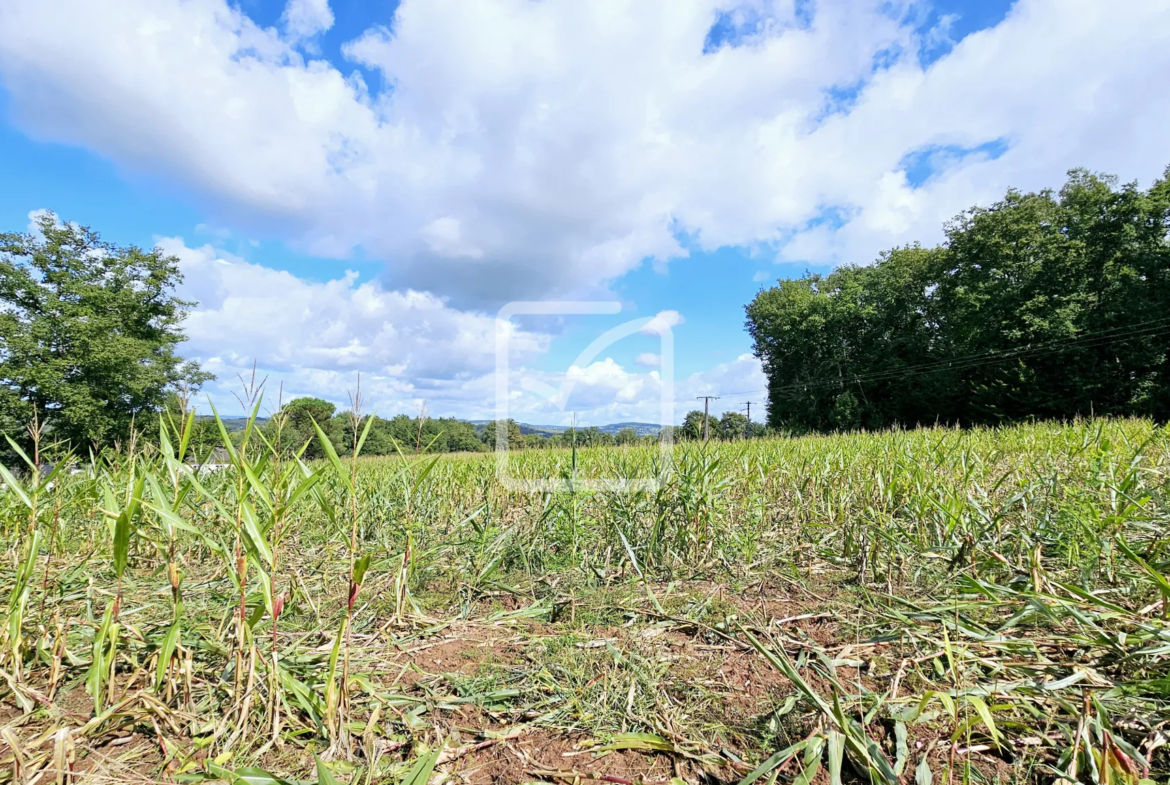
<point>88,333</point>
<point>1040,305</point>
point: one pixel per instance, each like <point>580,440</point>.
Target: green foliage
<point>509,429</point>
<point>303,412</point>
<point>386,436</point>
<point>732,425</point>
<point>1043,305</point>
<point>947,596</point>
<point>693,425</point>
<point>88,332</point>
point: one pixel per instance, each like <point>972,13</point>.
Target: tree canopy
<point>88,333</point>
<point>1041,305</point>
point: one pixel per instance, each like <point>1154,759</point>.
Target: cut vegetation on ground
<point>934,606</point>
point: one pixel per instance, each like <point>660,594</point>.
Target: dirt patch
<point>464,648</point>
<point>123,759</point>
<point>550,756</point>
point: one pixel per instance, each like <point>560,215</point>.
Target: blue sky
<point>358,187</point>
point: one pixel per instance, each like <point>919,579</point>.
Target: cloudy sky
<point>360,187</point>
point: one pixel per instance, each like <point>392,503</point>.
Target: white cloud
<point>34,220</point>
<point>532,149</point>
<point>444,236</point>
<point>317,336</point>
<point>306,18</point>
<point>606,392</point>
<point>525,149</point>
<point>662,321</point>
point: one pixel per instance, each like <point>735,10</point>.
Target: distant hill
<point>640,428</point>
<point>232,424</point>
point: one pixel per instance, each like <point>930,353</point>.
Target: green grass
<point>933,605</point>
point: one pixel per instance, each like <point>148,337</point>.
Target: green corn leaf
<point>164,440</point>
<point>300,489</point>
<point>15,486</point>
<point>162,504</point>
<point>331,454</point>
<point>835,742</point>
<point>247,775</point>
<point>901,747</point>
<point>1158,578</point>
<point>259,488</point>
<point>360,566</point>
<point>785,666</point>
<point>95,678</point>
<point>123,528</point>
<point>809,772</point>
<point>185,442</point>
<point>324,776</point>
<point>223,434</point>
<point>255,617</point>
<point>365,432</point>
<point>172,520</point>
<point>16,448</point>
<point>775,760</point>
<point>985,715</point>
<point>165,653</point>
<point>645,742</point>
<point>425,472</point>
<point>304,697</point>
<point>253,537</point>
<point>420,773</point>
<point>922,774</point>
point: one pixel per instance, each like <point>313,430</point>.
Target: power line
<point>744,392</point>
<point>966,362</point>
<point>1056,344</point>
<point>1148,328</point>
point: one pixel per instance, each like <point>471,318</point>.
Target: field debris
<point>934,606</point>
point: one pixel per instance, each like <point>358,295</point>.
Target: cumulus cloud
<point>604,392</point>
<point>661,322</point>
<point>306,18</point>
<point>535,149</point>
<point>524,150</point>
<point>319,334</point>
<point>34,221</point>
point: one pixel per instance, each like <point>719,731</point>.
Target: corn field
<point>931,606</point>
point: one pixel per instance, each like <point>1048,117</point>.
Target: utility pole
<point>706,399</point>
<point>747,434</point>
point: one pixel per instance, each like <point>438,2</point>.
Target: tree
<point>692,426</point>
<point>1041,305</point>
<point>88,333</point>
<point>626,436</point>
<point>303,412</point>
<point>732,425</point>
<point>509,427</point>
<point>296,419</point>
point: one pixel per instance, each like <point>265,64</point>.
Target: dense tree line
<point>294,424</point>
<point>1049,305</point>
<point>731,426</point>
